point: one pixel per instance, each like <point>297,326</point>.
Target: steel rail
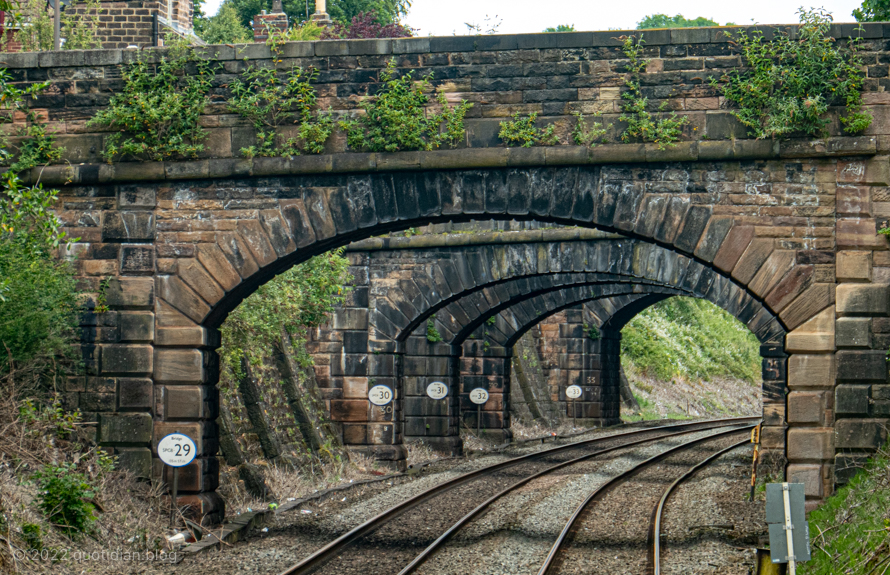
<point>557,546</point>
<point>655,522</point>
<point>434,546</point>
<point>332,548</point>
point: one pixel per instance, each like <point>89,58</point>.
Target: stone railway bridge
<point>781,234</point>
<point>485,290</point>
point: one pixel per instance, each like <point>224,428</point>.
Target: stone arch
<point>188,252</point>
<point>302,216</point>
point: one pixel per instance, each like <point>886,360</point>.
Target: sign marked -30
<point>380,395</point>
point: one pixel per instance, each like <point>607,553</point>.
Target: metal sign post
<point>479,396</point>
<point>789,532</point>
<point>176,450</point>
<point>573,392</point>
<point>755,439</point>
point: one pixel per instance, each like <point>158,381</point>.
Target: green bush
<point>270,102</point>
<point>642,125</point>
<point>156,115</point>
<point>63,497</point>
<point>790,83</point>
<point>692,338</point>
<point>37,148</point>
<point>38,293</point>
<point>397,119</point>
<point>523,132</point>
<point>432,334</point>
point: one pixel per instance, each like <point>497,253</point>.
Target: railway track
<point>557,562</point>
<point>384,545</point>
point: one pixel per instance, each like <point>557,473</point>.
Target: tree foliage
<point>561,28</point>
<point>80,30</point>
<point>387,11</point>
<point>367,25</point>
<point>790,84</point>
<point>341,11</point>
<point>297,300</point>
<point>223,28</point>
<point>873,11</point>
<point>678,21</point>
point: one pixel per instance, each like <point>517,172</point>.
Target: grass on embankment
<point>686,357</point>
<point>850,533</point>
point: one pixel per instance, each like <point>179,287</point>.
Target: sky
<point>447,17</point>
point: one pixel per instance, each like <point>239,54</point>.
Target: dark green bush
<point>397,119</point>
<point>156,115</point>
<point>63,497</point>
<point>790,83</point>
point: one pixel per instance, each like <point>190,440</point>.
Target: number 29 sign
<point>176,450</point>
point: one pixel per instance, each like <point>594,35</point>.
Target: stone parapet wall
<point>553,75</point>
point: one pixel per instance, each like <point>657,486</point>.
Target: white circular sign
<point>437,390</point>
<point>573,392</point>
<point>380,395</point>
<point>177,450</point>
<point>479,396</point>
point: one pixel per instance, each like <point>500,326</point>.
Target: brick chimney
<point>263,22</point>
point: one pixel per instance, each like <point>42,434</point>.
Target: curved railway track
<point>428,520</point>
<point>654,536</point>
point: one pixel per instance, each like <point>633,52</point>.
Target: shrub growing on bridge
<point>642,125</point>
<point>398,120</point>
<point>156,114</point>
<point>271,102</point>
<point>521,131</point>
<point>791,83</point>
<point>37,147</point>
